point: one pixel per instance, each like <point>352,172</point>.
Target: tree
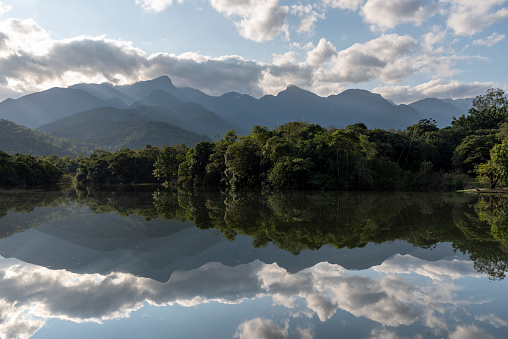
<point>472,151</point>
<point>488,111</point>
<point>169,160</point>
<point>290,172</point>
<point>499,157</point>
<point>494,98</point>
<point>198,161</point>
<point>496,169</point>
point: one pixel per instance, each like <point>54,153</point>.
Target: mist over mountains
<point>156,112</point>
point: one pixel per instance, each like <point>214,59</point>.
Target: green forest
<point>300,155</point>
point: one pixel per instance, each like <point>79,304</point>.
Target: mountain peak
<point>293,90</point>
<point>163,80</point>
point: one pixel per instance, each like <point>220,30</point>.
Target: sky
<point>405,50</point>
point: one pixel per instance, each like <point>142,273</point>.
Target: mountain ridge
<point>237,111</point>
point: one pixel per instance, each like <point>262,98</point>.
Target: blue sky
<point>405,50</point>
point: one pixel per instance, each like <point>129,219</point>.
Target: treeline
<point>290,220</point>
<point>299,155</point>
<point>23,170</point>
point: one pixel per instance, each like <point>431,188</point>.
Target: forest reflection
<point>293,220</point>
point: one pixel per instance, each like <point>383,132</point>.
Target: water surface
<point>143,262</point>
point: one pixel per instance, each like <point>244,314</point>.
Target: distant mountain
<point>40,108</point>
<point>135,92</point>
<point>187,115</point>
<point>355,105</point>
<point>200,113</point>
<point>15,138</point>
<point>462,104</point>
<point>439,110</point>
<point>289,105</point>
<point>294,104</point>
<point>442,110</point>
<point>113,129</point>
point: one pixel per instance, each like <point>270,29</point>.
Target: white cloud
<point>351,5</point>
<point>468,17</point>
<point>30,295</point>
<point>374,59</point>
<point>260,20</point>
<point>321,53</point>
<point>434,37</point>
<point>386,334</point>
<point>436,270</point>
<point>23,36</point>
<point>261,328</point>
<point>309,17</point>
<point>470,332</point>
<point>491,40</point>
<point>30,60</point>
<point>492,319</point>
<point>437,88</point>
<point>4,8</point>
<point>155,5</point>
<point>305,333</point>
<point>386,14</point>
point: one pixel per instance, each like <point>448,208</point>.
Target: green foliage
<point>472,151</point>
<point>23,170</point>
<point>496,169</point>
<point>488,111</point>
<point>168,161</point>
<point>124,166</point>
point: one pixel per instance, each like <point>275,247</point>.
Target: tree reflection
<point>291,220</point>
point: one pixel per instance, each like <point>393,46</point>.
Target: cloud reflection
<point>30,294</point>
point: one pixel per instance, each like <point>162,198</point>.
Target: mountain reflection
<point>292,221</point>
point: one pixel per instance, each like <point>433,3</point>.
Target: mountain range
<point>156,112</point>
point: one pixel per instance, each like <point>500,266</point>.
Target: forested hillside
<point>15,138</point>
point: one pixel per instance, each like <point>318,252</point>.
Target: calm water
<point>139,262</point>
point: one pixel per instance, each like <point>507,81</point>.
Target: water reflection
<point>368,265</point>
<point>33,294</point>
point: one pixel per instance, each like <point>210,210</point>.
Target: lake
<point>132,262</point>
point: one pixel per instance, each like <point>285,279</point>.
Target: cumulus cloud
<point>321,53</point>
<point>30,60</point>
<point>386,14</point>
<point>491,40</point>
<point>212,75</point>
<point>30,295</point>
<point>470,332</point>
<point>436,270</point>
<point>308,17</point>
<point>155,5</point>
<point>470,17</point>
<point>437,88</point>
<point>260,20</point>
<point>261,328</point>
<point>373,60</point>
<point>387,334</point>
<point>351,5</point>
<point>436,36</point>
